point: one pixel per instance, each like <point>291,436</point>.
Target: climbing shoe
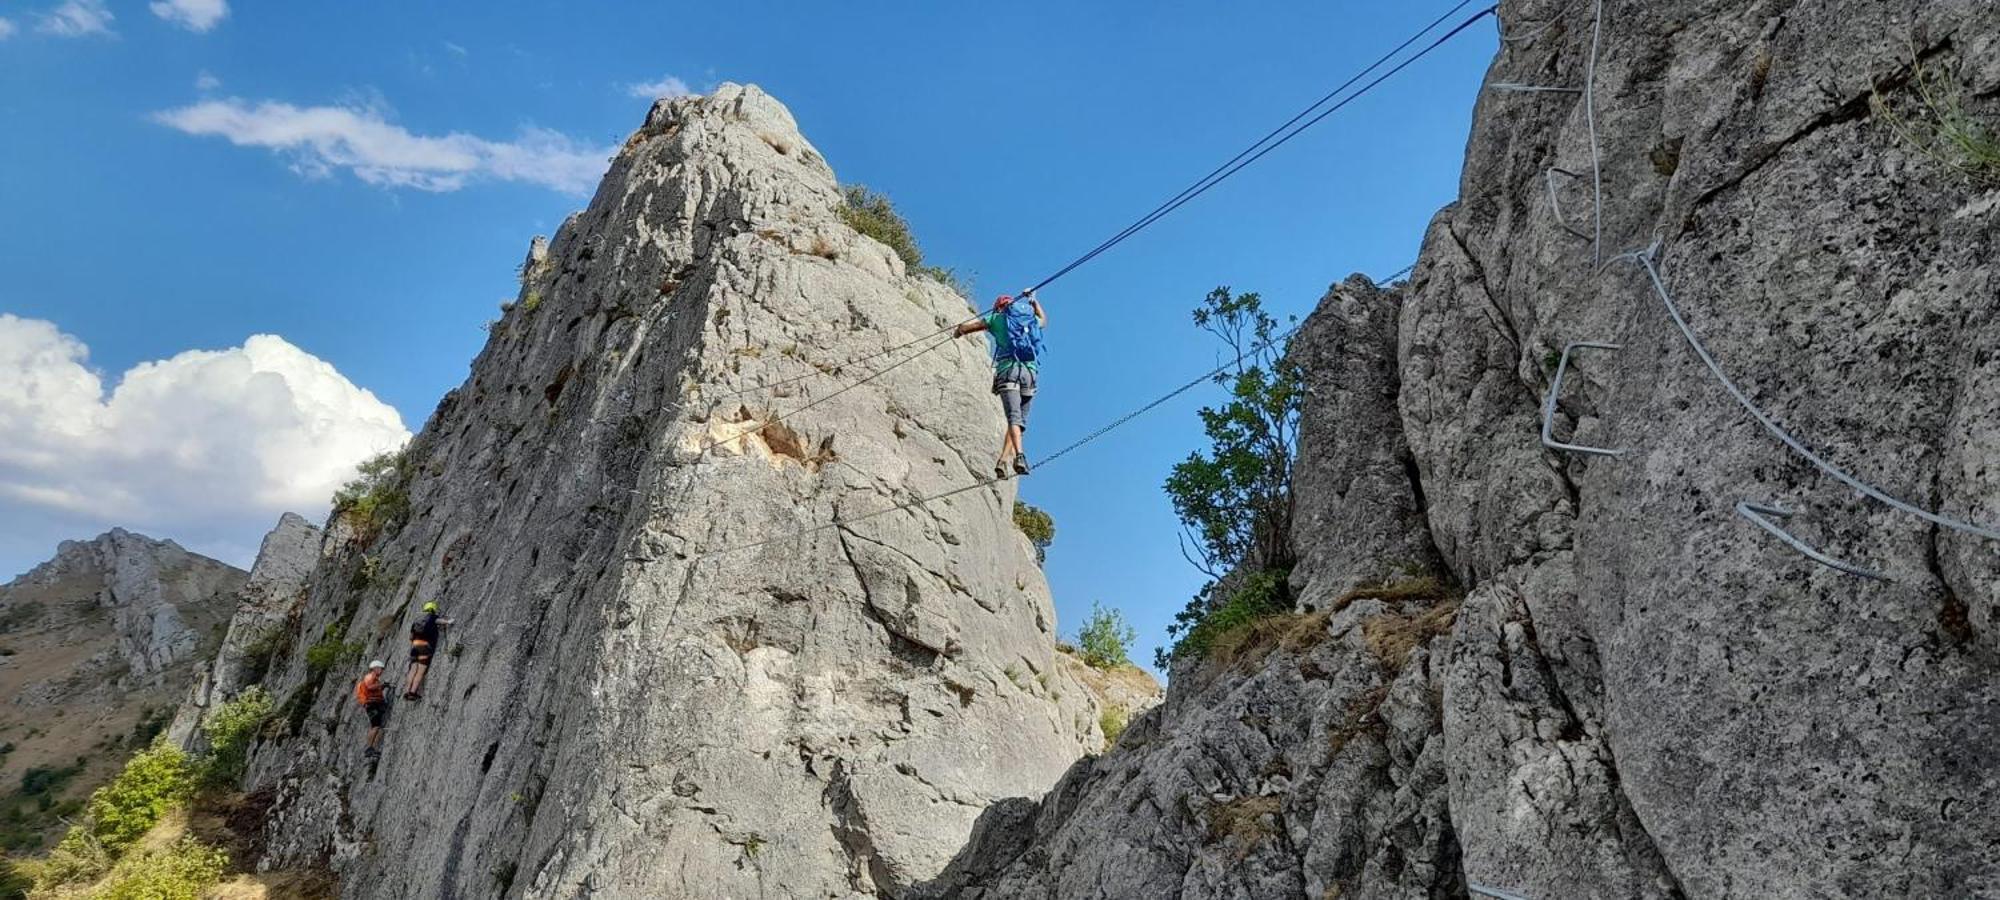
<point>412,695</point>
<point>1020,465</point>
<point>1000,471</point>
<point>372,753</point>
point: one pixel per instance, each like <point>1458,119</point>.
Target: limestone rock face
<point>271,595</point>
<point>1358,513</point>
<point>697,651</point>
<point>1638,693</point>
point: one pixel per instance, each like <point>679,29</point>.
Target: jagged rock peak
<point>626,706</point>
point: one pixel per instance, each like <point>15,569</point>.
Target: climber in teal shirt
<point>1017,353</point>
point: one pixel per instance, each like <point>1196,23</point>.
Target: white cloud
<point>455,49</point>
<point>77,18</point>
<point>320,139</point>
<point>193,15</point>
<point>206,81</point>
<point>7,29</point>
<point>664,88</point>
<point>207,447</point>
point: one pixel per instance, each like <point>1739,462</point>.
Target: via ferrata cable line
<point>987,481</point>
<point>1272,140</point>
<point>1266,143</point>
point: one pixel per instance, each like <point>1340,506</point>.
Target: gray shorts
<point>1016,387</point>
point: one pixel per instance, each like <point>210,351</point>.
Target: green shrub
<point>231,729</point>
<point>378,499</point>
<point>1105,640</point>
<point>330,651</point>
<point>14,883</point>
<point>267,649</point>
<point>40,781</point>
<point>873,215</point>
<point>1038,526</point>
<point>1112,722</point>
<point>1200,625</point>
<point>154,782</point>
<point>184,871</point>
<point>21,614</point>
<point>79,857</point>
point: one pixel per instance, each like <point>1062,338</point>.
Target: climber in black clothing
<point>425,637</point>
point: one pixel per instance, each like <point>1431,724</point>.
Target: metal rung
<point>1556,204</point>
<point>1555,391</point>
<point>1756,513</point>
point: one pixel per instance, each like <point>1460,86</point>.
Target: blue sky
<point>1013,136</point>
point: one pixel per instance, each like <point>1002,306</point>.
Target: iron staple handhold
<point>1759,513</point>
<point>1555,391</point>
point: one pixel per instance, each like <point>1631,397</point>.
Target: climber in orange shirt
<point>373,696</point>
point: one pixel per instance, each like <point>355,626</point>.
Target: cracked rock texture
<point>1638,693</point>
<point>670,675</point>
<point>271,596</point>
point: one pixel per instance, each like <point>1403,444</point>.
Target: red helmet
<point>1003,301</point>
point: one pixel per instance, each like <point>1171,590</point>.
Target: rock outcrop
<point>269,599</point>
<point>698,651</point>
<point>96,645</point>
<point>1621,687</point>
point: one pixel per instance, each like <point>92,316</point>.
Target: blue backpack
<point>1024,333</point>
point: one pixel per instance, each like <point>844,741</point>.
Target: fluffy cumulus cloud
<point>193,15</point>
<point>77,18</point>
<point>207,447</point>
<point>206,81</point>
<point>664,88</point>
<point>360,139</point>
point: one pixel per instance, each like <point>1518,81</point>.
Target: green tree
<point>231,729</point>
<point>1235,498</point>
<point>1105,640</point>
<point>1038,526</point>
<point>378,498</point>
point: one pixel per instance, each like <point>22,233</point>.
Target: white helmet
<point>378,664</point>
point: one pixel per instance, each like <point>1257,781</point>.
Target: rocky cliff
<point>96,645</point>
<point>698,651</point>
<point>1591,675</point>
<point>265,607</point>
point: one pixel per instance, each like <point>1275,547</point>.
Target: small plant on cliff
<point>378,499</point>
<point>230,730</point>
<point>1105,640</point>
<point>1038,526</point>
<point>329,651</point>
<point>1235,499</point>
<point>1939,126</point>
<point>872,214</point>
<point>1112,722</point>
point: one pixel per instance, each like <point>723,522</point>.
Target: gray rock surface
<point>668,676</point>
<point>1353,465</point>
<point>271,595</point>
<point>1642,695</point>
